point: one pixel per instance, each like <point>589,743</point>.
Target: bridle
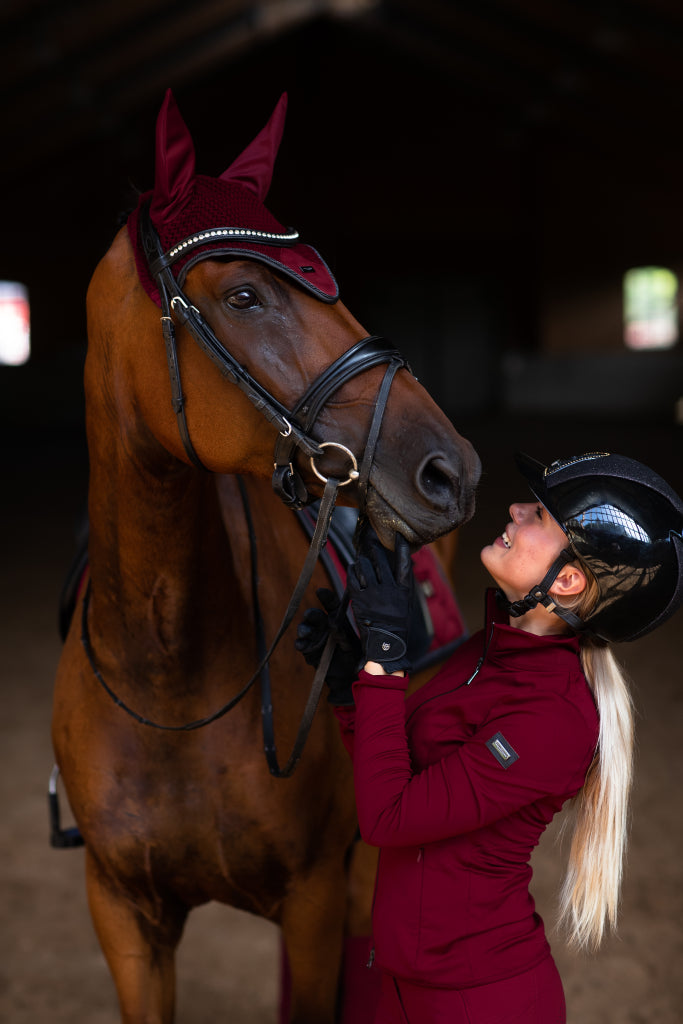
<point>294,432</point>
<point>293,426</point>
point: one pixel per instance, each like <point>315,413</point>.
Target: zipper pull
<point>371,959</point>
<point>483,657</point>
<point>419,854</point>
<point>476,671</point>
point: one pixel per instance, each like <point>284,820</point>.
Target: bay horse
<point>192,556</point>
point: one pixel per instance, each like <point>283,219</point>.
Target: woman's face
<point>521,556</point>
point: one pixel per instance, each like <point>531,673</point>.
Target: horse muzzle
<point>426,501</point>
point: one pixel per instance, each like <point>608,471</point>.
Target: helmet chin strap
<point>539,595</point>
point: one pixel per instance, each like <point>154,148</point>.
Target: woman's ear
<point>570,580</point>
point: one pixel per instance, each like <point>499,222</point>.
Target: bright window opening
<point>15,324</point>
<point>650,308</point>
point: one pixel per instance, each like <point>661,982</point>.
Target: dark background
<point>479,175</point>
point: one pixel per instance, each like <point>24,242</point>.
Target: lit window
<point>650,308</point>
<point>15,330</point>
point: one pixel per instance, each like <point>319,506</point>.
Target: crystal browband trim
<point>241,234</point>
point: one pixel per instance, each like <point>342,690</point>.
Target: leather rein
<point>294,433</point>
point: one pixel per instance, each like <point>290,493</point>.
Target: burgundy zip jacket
<point>456,784</point>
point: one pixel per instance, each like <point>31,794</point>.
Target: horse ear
<point>174,170</point>
<point>254,168</point>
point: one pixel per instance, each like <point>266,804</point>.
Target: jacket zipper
<point>467,682</point>
<point>371,958</point>
<point>483,656</point>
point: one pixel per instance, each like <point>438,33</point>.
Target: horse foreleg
<point>313,933</point>
<point>139,944</point>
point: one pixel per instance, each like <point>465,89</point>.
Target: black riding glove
<point>380,586</point>
<point>311,637</point>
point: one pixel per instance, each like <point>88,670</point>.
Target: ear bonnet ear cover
<point>198,217</point>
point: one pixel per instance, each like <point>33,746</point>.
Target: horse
<point>159,719</point>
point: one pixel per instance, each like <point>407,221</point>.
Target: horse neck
<point>162,571</point>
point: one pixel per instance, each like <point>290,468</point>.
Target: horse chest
<point>201,839</point>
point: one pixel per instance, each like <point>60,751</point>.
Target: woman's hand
<point>373,668</point>
<point>380,586</point>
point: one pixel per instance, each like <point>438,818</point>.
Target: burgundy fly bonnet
<point>198,217</point>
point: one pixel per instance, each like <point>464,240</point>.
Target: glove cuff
<point>385,648</point>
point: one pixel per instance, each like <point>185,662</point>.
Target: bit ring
<point>353,473</point>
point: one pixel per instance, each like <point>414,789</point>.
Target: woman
<point>457,782</point>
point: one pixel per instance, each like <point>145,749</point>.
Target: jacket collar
<point>511,649</point>
<point>506,637</point>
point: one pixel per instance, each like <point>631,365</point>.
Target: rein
<point>294,433</point>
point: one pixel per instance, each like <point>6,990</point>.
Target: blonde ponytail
<point>589,896</point>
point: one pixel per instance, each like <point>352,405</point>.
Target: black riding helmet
<point>626,524</point>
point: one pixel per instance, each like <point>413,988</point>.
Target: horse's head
<point>245,303</point>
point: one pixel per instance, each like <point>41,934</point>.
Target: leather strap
<point>539,595</point>
<point>369,352</point>
<point>375,427</point>
<point>317,542</point>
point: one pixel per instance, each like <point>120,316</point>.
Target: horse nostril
<point>438,480</point>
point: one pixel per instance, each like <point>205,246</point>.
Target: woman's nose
<point>518,511</point>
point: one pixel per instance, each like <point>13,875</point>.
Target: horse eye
<point>243,298</point>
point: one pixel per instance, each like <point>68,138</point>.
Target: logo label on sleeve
<point>502,750</point>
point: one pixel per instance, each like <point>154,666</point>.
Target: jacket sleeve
<point>548,742</point>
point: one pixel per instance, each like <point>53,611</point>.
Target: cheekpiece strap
<point>176,304</point>
<point>159,268</point>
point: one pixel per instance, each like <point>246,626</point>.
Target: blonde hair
<point>589,897</point>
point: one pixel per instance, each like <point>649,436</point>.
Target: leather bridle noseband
<point>294,429</point>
